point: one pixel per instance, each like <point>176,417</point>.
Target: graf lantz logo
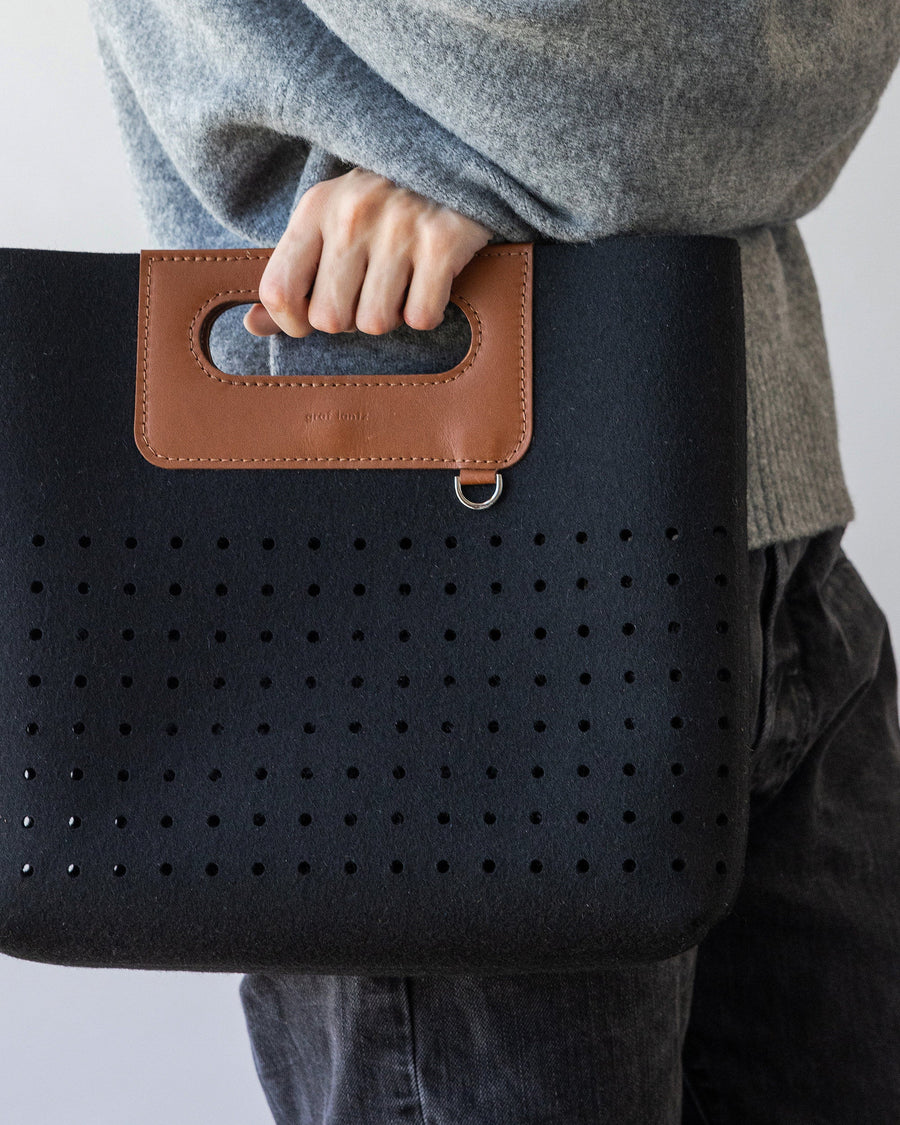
<point>338,416</point>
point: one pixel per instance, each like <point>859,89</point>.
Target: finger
<point>380,305</point>
<point>258,322</point>
<point>284,288</point>
<point>429,294</point>
<point>338,281</point>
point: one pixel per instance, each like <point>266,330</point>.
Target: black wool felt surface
<point>334,721</point>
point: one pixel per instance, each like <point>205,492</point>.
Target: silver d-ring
<point>498,488</point>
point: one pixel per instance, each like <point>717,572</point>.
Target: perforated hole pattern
<point>268,711</point>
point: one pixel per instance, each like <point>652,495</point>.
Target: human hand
<point>372,254</point>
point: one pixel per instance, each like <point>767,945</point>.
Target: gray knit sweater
<point>543,119</point>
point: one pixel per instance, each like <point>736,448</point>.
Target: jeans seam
<point>806,724</point>
<point>413,1061</point>
<point>766,611</point>
<point>692,1093</point>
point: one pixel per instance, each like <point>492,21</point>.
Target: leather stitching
<point>452,462</point>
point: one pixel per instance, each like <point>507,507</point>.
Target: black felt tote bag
<point>374,674</point>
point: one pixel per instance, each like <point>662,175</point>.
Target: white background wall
<point>98,1047</point>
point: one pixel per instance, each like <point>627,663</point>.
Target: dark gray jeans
<point>787,1013</point>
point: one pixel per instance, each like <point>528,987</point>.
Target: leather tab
<point>477,476</point>
<point>476,417</point>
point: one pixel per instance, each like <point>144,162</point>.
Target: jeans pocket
<point>844,628</point>
<point>822,636</point>
<point>793,568</point>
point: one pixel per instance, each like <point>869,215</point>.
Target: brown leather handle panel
<point>188,414</point>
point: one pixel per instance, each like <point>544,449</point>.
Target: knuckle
<point>326,320</point>
<point>440,236</point>
<point>312,196</point>
<point>437,235</point>
<point>423,319</point>
<point>273,294</point>
<point>373,324</point>
<point>357,217</point>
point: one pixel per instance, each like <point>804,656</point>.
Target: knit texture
<point>545,120</point>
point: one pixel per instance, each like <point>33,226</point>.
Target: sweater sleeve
<point>651,115</point>
<point>557,119</point>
